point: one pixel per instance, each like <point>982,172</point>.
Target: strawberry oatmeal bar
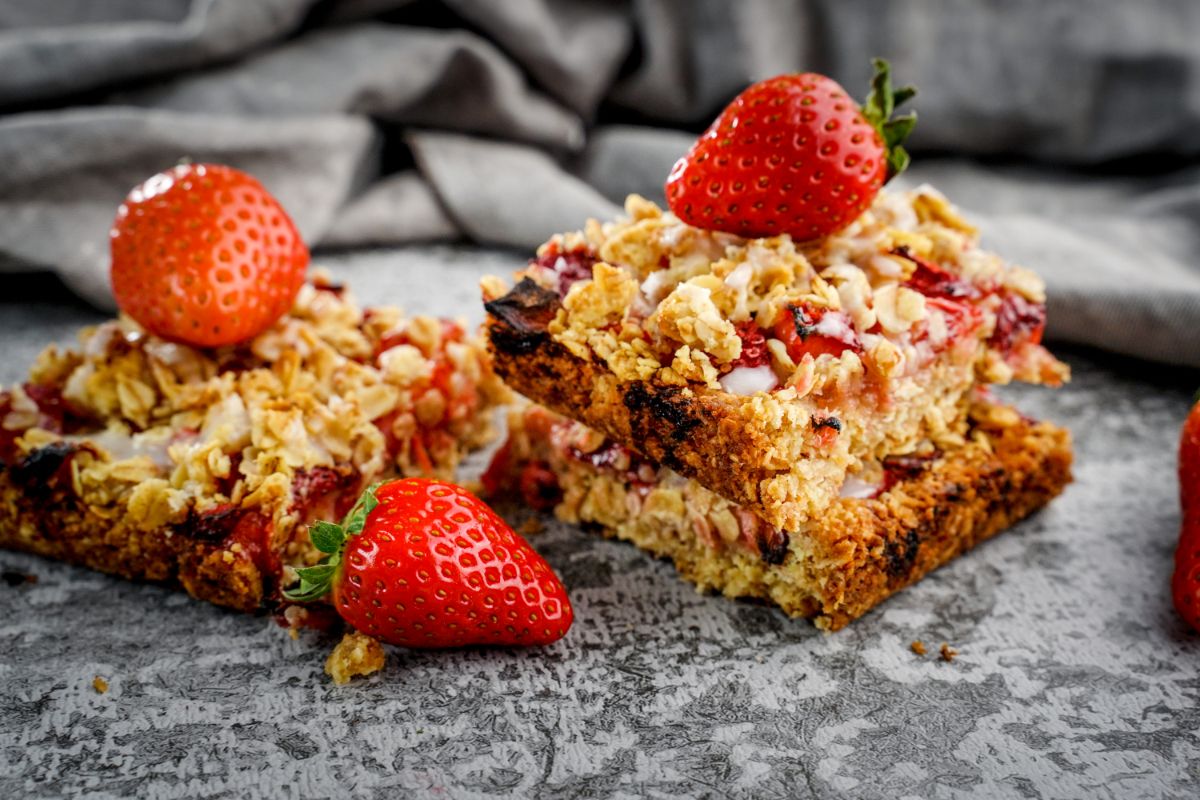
<point>161,461</point>
<point>771,371</point>
<point>928,507</point>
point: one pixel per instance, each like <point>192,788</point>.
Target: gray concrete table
<point>1074,676</point>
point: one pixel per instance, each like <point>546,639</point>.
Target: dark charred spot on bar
<point>523,315</point>
<point>652,405</point>
<point>210,526</point>
<point>902,554</point>
<point>45,466</point>
<point>772,545</point>
<point>830,423</point>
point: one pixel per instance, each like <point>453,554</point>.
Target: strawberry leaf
<point>897,160</point>
<point>306,593</point>
<point>357,518</point>
<point>321,573</point>
<point>315,581</point>
<point>903,95</point>
<point>330,538</point>
<point>327,536</point>
<point>897,130</point>
<point>877,110</point>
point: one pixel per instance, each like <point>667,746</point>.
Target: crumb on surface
<point>947,653</point>
<point>356,654</point>
<point>100,685</point>
<point>14,578</point>
<point>918,647</point>
<point>531,527</point>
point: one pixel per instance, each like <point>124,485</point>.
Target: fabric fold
<point>68,172</point>
<point>384,122</point>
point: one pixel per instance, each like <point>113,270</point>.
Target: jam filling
<point>327,490</point>
<point>570,267</point>
<point>897,469</point>
<point>539,486</point>
<point>230,525</point>
<point>805,330</point>
<point>430,439</point>
<point>754,345</point>
<point>1018,321</point>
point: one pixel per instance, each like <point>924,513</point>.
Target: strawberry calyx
<point>330,538</point>
<point>882,101</point>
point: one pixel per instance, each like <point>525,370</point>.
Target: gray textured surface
<point>1075,678</point>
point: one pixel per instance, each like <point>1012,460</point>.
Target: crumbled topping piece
<point>356,654</point>
<point>897,308</point>
<point>947,653</point>
<point>688,315</point>
<point>100,685</point>
<point>918,647</point>
<point>931,205</point>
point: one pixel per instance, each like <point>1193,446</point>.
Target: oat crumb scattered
<point>947,652</point>
<point>918,647</point>
<point>531,527</point>
<point>100,685</point>
<point>355,654</point>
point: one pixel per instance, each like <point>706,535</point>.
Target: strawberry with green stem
<point>793,154</point>
<point>424,563</point>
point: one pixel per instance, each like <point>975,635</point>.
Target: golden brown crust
<point>924,522</point>
<point>665,422</point>
<point>50,521</point>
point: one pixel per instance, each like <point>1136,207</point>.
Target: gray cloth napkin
<point>382,122</point>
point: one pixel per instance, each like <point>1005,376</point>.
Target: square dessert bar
<point>157,461</point>
<point>768,370</point>
<point>926,508</point>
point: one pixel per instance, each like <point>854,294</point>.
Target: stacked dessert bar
<point>803,422</point>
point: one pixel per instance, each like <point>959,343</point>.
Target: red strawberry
<point>815,331</point>
<point>1185,585</point>
<point>792,154</point>
<point>202,254</point>
<point>423,563</point>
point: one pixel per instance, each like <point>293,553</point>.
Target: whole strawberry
<point>1185,585</point>
<point>792,154</point>
<point>424,563</point>
<point>203,254</point>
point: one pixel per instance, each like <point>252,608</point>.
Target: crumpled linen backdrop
<point>382,122</point>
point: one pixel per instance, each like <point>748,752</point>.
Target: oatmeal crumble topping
<point>678,286</point>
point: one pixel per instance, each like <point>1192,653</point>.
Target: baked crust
<point>858,553</point>
<point>43,515</point>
